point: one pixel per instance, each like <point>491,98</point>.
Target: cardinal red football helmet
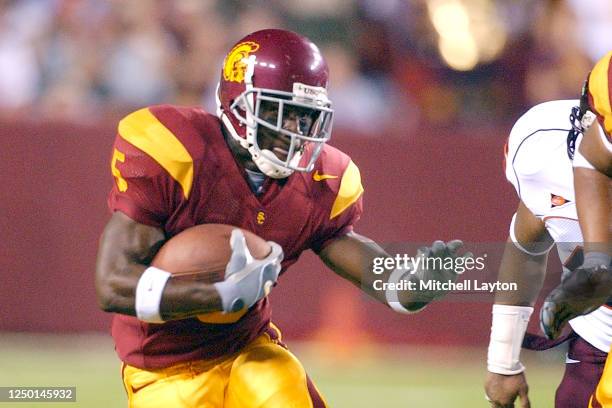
<point>282,69</point>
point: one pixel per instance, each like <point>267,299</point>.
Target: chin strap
<point>269,168</point>
<point>266,166</point>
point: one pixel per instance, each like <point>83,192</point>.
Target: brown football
<point>201,253</point>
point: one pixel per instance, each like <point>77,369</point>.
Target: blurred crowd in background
<point>394,63</point>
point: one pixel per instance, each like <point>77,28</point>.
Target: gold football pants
<point>603,394</point>
<point>263,375</point>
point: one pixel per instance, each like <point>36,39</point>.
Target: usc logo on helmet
<point>234,67</point>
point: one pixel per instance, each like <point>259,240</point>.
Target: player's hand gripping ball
<point>204,253</point>
<point>247,280</point>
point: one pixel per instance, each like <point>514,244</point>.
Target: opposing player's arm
<point>592,172</point>
<point>524,259</point>
<point>593,207</point>
<point>125,252</point>
<point>524,263</point>
<point>596,150</point>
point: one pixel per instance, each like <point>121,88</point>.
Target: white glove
<point>247,280</point>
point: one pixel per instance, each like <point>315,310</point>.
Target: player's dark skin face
<point>297,120</point>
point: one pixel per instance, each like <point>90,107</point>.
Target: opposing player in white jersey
<point>540,169</point>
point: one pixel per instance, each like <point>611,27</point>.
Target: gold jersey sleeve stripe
<point>599,87</point>
<point>350,190</point>
<point>143,130</point>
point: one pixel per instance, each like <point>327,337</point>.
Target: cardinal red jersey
<point>173,170</point>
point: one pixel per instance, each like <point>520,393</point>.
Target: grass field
<point>373,376</point>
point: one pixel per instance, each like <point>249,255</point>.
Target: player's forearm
<point>593,206</point>
<point>187,299</point>
<point>524,258</point>
<point>180,298</point>
<point>524,270</point>
<point>352,257</point>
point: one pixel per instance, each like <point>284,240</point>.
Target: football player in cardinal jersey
<point>591,285</point>
<point>539,166</point>
<point>261,164</point>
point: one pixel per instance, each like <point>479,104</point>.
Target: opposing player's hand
<point>440,266</point>
<point>580,292</point>
<point>248,280</point>
<point>501,390</point>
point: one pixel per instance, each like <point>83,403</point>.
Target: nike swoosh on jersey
<point>320,177</point>
<point>140,387</point>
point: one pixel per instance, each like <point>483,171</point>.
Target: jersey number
<point>121,183</point>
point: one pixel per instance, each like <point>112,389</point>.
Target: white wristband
<point>507,333</point>
<point>518,244</point>
<point>392,290</point>
<point>149,293</point>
